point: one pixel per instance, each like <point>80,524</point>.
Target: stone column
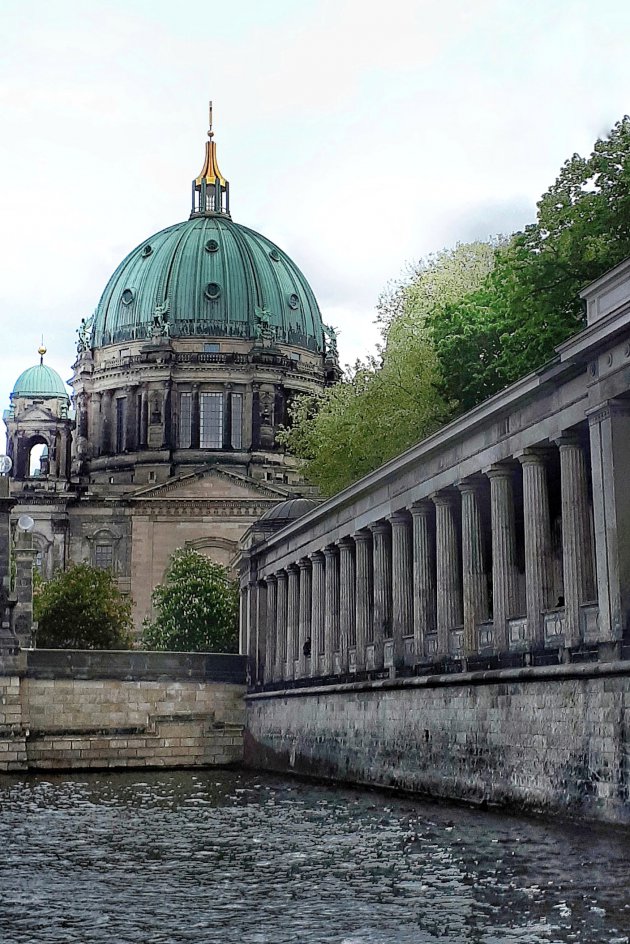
<point>363,594</point>
<point>382,576</point>
<point>24,556</point>
<point>318,609</point>
<point>577,559</point>
<point>331,612</point>
<point>538,574</point>
<point>474,578</point>
<point>347,605</point>
<point>424,589</point>
<point>271,628</point>
<point>448,571</point>
<point>609,428</point>
<point>94,424</point>
<point>504,576</point>
<point>305,614</point>
<point>402,584</point>
<point>261,630</point>
<point>281,624</point>
<point>293,617</point>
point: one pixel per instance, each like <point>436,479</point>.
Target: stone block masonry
<point>68,710</point>
<point>553,739</point>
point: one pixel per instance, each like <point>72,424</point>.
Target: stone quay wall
<point>552,739</point>
<point>65,710</point>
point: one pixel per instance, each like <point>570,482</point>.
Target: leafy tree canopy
<point>466,322</point>
<point>82,608</point>
<point>387,403</point>
<point>196,607</point>
<point>530,301</point>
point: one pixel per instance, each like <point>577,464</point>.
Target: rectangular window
<point>211,420</point>
<point>104,556</point>
<point>121,423</point>
<point>236,431</point>
<point>211,347</point>
<point>185,420</point>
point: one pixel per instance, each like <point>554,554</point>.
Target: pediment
<point>212,484</point>
<point>36,414</point>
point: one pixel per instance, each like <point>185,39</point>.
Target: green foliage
<point>467,322</point>
<point>530,302</point>
<point>384,405</point>
<point>196,607</point>
<point>82,608</point>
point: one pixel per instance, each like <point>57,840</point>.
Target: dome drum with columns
<point>202,337</point>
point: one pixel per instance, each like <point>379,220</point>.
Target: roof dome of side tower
<point>39,381</point>
<point>208,276</point>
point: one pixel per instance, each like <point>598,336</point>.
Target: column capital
<point>379,527</point>
<point>500,470</point>
<point>421,509</point>
<point>272,578</point>
<point>472,483</point>
<point>345,543</point>
<point>317,557</point>
<point>330,552</point>
<point>606,409</point>
<point>304,563</point>
<point>362,536</point>
<point>292,568</point>
<point>533,455</point>
<point>281,575</point>
<point>399,518</point>
<point>446,496</point>
<point>568,440</point>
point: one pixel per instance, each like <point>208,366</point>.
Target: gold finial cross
<point>209,119</point>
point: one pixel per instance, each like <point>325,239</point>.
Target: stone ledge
<point>462,679</point>
<point>135,665</point>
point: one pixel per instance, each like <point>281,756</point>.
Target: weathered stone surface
<point>553,739</point>
<point>95,709</point>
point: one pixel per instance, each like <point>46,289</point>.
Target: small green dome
<point>39,381</point>
<point>208,276</point>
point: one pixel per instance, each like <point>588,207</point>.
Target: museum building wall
<point>458,621</point>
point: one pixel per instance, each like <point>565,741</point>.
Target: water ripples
<point>217,856</point>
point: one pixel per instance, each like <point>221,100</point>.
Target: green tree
<point>196,607</point>
<point>82,608</point>
<point>530,302</point>
<point>387,403</point>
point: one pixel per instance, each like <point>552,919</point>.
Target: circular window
<point>212,290</point>
<point>212,246</point>
<point>127,296</point>
<point>294,301</point>
<point>274,254</point>
<point>146,251</point>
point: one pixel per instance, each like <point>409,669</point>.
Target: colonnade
<point>466,571</point>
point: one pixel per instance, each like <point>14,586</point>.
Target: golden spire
<point>210,188</point>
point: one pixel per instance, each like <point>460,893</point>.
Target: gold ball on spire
<point>41,350</point>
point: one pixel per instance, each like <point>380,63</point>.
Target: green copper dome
<point>208,276</point>
<point>39,381</point>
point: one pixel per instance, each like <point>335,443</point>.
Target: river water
<point>236,858</point>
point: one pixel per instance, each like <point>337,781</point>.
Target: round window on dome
<point>146,251</point>
<point>274,254</point>
<point>127,296</point>
<point>294,301</point>
<point>212,246</point>
<point>212,290</point>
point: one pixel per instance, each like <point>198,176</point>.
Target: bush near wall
<point>82,608</point>
<point>196,607</point>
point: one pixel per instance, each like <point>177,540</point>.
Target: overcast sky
<point>358,135</point>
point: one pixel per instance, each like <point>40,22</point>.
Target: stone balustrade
<point>504,539</point>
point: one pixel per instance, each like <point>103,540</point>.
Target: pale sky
<point>357,135</point>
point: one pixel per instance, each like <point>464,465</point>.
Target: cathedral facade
<point>202,337</point>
